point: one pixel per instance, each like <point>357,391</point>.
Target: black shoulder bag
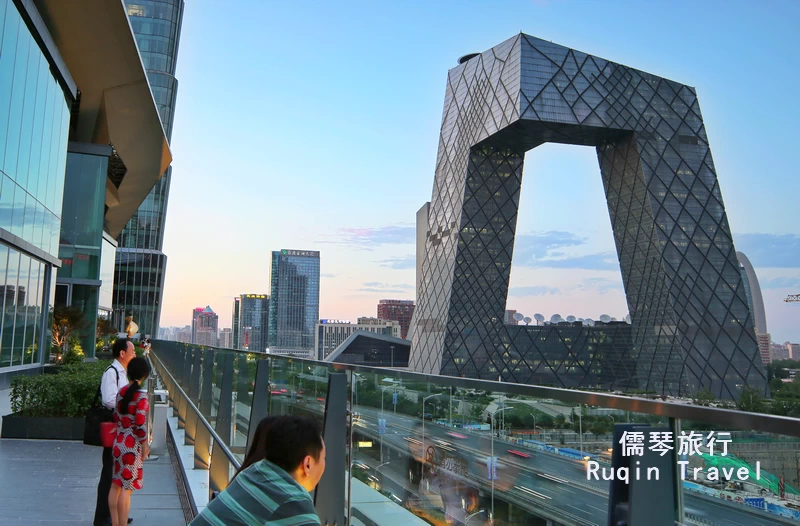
<point>96,415</point>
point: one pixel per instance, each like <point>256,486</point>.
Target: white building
<point>329,334</point>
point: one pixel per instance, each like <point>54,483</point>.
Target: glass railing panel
<point>738,476</point>
<point>436,460</point>
<point>298,387</point>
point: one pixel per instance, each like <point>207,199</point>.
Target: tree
<point>560,421</point>
<point>66,320</point>
<point>599,427</point>
<point>775,385</point>
<point>750,401</point>
<point>704,397</point>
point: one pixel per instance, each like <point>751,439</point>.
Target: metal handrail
<point>737,419</point>
<point>200,418</point>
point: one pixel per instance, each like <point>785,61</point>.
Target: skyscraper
<point>691,327</point>
<point>397,310</point>
<point>294,302</point>
<point>250,321</point>
<point>71,175</point>
<point>140,265</point>
<point>225,339</point>
<point>205,325</point>
<point>755,301</point>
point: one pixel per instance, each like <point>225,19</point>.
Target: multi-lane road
<point>543,483</point>
<point>542,480</point>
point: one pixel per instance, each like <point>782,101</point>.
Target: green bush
<point>67,394</point>
<point>75,353</point>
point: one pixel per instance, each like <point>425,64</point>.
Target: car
<point>356,415</point>
<point>456,435</point>
<point>518,453</point>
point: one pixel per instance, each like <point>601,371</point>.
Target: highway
<point>543,480</point>
<point>545,484</point>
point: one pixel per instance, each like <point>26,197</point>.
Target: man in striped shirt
<point>275,490</point>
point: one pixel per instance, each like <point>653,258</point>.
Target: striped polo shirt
<point>261,494</point>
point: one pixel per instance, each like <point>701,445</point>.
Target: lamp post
<point>534,422</point>
<point>450,400</point>
<point>424,449</point>
<point>380,466</point>
<point>491,460</point>
<point>392,358</point>
<point>580,425</point>
<point>466,521</point>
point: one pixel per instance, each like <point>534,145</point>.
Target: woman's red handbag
<point>108,432</point>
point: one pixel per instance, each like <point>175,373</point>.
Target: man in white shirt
<point>114,379</point>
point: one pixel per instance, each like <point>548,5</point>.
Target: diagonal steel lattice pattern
<point>691,327</point>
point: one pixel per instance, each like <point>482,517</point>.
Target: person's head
<point>138,371</point>
<point>295,444</point>
<point>258,449</point>
<point>123,351</point>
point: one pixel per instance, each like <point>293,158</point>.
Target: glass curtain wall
<point>34,125</point>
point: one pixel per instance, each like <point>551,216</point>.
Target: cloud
<point>540,244</point>
<point>370,238</point>
<point>780,283</point>
<point>599,261</point>
<point>405,262</point>
<point>532,291</point>
<point>599,285</point>
<point>327,275</point>
<point>385,288</point>
<point>770,250</point>
<point>545,250</point>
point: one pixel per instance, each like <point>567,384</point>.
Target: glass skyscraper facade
<point>140,264</point>
<point>34,129</point>
<point>691,325</point>
<point>294,301</point>
<point>251,319</point>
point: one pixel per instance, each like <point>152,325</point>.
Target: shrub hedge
<point>66,394</point>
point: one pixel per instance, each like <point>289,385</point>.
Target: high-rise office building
<point>398,310</point>
<point>205,325</point>
<point>755,302</point>
<point>237,305</point>
<point>691,326</point>
<point>508,318</point>
<point>329,334</point>
<point>140,264</point>
<point>71,177</point>
<point>250,321</point>
<point>225,338</point>
<point>294,302</point>
<point>794,350</point>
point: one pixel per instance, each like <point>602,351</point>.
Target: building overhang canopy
<point>97,44</point>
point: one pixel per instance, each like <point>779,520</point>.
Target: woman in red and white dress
<point>130,446</point>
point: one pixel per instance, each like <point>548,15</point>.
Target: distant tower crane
<point>792,298</point>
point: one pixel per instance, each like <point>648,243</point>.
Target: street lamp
<point>491,460</point>
<point>466,521</point>
<point>534,422</point>
<point>392,359</point>
<point>380,466</point>
<point>424,450</point>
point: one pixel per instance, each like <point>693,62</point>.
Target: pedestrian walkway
<point>55,482</point>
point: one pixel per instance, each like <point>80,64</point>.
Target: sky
<point>314,125</point>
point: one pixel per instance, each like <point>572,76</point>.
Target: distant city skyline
<point>384,102</point>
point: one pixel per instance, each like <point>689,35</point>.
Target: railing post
<point>206,390</point>
<point>194,380</point>
<point>186,374</point>
<point>329,496</point>
<point>260,406</point>
<point>219,471</point>
<point>192,392</point>
<point>242,384</point>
